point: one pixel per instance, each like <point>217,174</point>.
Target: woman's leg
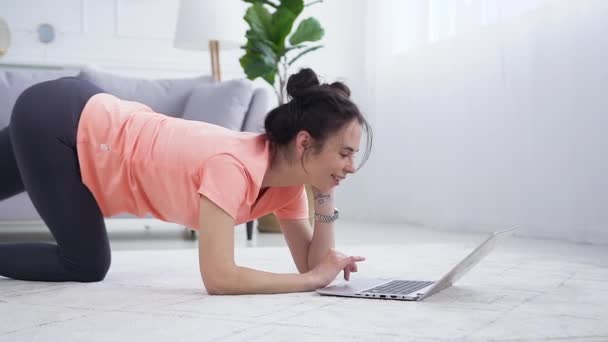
<point>43,135</point>
<point>10,179</point>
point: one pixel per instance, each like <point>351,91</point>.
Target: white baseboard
<point>113,225</point>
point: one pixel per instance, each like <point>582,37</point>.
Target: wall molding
<point>29,25</point>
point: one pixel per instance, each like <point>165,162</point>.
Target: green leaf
<point>254,66</point>
<point>270,78</point>
<point>254,40</point>
<point>265,52</point>
<point>260,21</point>
<point>295,6</point>
<point>266,2</point>
<point>305,52</point>
<point>309,30</point>
<point>282,22</point>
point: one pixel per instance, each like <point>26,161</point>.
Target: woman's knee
<point>94,270</point>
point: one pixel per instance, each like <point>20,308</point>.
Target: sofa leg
<point>249,230</point>
<point>189,234</point>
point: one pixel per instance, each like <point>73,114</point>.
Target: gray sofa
<point>235,104</point>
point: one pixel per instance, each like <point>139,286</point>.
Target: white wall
<point>134,37</point>
<point>496,128</point>
<point>128,36</point>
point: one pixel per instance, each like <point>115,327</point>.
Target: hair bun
<point>341,87</point>
<point>297,84</point>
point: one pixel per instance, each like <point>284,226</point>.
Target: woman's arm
<point>323,233</point>
<point>219,272</point>
<point>298,235</point>
<point>309,245</point>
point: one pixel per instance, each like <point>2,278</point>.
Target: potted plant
<point>272,47</point>
<point>267,54</point>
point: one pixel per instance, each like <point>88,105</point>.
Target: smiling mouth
<point>337,179</point>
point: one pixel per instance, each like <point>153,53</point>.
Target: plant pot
<point>270,224</point>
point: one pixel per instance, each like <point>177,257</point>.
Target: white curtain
<point>396,27</point>
<point>488,114</point>
<point>414,23</point>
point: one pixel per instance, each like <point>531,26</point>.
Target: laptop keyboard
<point>400,287</point>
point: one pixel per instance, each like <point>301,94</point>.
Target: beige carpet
<point>525,290</point>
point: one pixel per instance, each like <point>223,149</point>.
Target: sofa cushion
<point>14,82</point>
<point>166,96</point>
<point>224,103</point>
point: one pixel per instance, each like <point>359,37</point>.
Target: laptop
<point>414,290</point>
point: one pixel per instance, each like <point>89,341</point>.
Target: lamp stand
<point>214,50</point>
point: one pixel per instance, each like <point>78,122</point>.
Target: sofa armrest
<point>262,101</point>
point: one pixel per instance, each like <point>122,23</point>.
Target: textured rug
<point>524,290</point>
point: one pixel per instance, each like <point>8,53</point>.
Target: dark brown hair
<point>319,109</point>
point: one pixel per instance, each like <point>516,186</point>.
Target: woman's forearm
<point>243,280</point>
<point>323,233</point>
<point>250,281</point>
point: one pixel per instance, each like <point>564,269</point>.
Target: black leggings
<point>38,155</point>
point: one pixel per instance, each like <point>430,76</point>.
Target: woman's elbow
<point>217,290</point>
<point>303,268</point>
<point>220,284</point>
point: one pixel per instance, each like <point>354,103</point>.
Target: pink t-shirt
<point>140,162</point>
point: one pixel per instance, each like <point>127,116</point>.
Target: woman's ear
<point>303,142</point>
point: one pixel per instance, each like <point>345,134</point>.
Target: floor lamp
<point>209,25</point>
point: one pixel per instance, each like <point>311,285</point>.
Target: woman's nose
<point>350,167</point>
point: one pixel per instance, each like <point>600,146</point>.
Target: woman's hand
<point>329,267</point>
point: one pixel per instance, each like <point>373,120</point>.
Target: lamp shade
<point>199,21</point>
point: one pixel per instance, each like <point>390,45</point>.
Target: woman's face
<point>336,160</point>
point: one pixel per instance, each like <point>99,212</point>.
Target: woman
<point>83,155</point>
